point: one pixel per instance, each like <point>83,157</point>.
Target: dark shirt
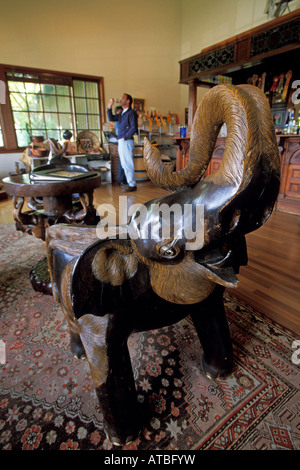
<point>127,123</point>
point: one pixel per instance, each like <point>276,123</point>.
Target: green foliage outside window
<point>50,109</point>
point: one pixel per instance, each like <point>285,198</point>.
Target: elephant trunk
<point>246,113</point>
<point>242,192</point>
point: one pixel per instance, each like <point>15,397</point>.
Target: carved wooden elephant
<point>139,278</point>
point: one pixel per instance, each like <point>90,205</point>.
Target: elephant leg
<point>212,328</point>
<point>105,342</point>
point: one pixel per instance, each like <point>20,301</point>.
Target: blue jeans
<point>121,175</point>
<point>125,148</point>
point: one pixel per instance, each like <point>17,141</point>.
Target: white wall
<point>135,44</point>
<point>7,163</point>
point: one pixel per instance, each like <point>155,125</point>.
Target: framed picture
<point>279,113</point>
<point>139,104</point>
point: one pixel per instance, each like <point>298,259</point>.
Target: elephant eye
<point>169,251</point>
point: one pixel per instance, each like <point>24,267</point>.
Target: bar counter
<point>289,147</point>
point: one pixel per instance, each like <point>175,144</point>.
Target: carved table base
<point>36,222</point>
<point>50,203</point>
<point>40,277</point>
<point>53,211</point>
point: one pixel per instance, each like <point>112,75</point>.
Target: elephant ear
<point>97,274</point>
<point>114,262</point>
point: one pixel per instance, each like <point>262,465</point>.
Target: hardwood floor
<point>271,281</point>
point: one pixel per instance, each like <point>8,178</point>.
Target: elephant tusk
<point>220,263</point>
<point>224,276</point>
<point>220,269</point>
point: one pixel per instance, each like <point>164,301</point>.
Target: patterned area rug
<point>47,399</point>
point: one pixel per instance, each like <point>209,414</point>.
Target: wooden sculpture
<point>109,288</point>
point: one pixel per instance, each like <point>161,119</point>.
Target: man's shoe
<point>127,189</point>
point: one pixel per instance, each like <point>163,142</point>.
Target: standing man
<point>121,178</point>
<point>127,127</point>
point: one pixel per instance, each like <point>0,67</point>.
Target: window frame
<point>6,114</point>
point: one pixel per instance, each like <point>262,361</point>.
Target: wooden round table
<point>57,196</point>
<point>49,203</point>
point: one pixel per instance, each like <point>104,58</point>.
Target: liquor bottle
<point>292,125</point>
<point>286,126</point>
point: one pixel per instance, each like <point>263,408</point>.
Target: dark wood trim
<point>15,68</point>
<point>102,106</point>
<point>241,44</point>
<point>6,117</point>
<point>289,194</point>
<point>192,103</point>
<point>4,150</point>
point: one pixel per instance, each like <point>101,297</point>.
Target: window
<point>47,104</point>
<point>1,137</point>
<point>40,109</point>
<point>86,106</point>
